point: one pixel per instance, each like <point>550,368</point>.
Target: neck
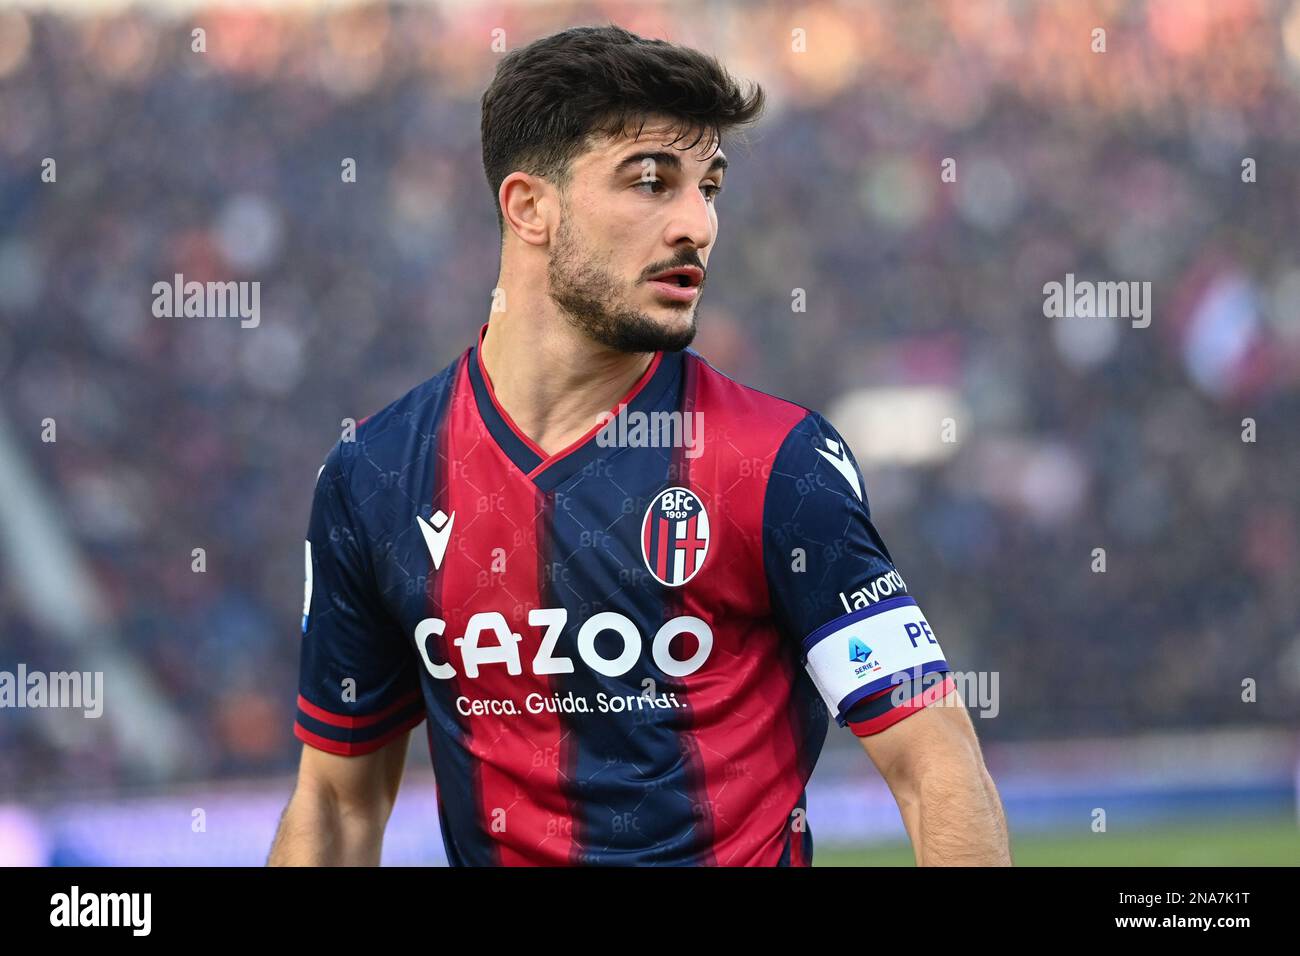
<point>552,380</point>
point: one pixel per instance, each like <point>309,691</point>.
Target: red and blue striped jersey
<point>612,645</point>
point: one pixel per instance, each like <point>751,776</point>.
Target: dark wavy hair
<point>549,98</point>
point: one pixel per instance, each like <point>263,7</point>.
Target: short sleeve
<point>358,684</point>
<point>835,590</point>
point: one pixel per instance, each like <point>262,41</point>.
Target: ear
<point>526,201</point>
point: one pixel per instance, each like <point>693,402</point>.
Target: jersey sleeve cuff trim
<point>360,747</point>
<point>355,723</point>
<point>886,683</point>
<point>865,728</point>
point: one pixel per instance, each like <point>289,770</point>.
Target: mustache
<point>677,264</point>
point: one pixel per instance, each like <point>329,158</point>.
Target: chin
<point>637,327</point>
<point>680,332</point>
<point>678,319</point>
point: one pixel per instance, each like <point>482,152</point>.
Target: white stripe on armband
<point>856,655</point>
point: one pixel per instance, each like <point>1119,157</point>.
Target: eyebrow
<point>670,160</point>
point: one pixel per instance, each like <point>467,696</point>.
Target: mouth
<point>680,284</point>
<point>684,277</point>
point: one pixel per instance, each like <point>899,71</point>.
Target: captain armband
<point>856,655</point>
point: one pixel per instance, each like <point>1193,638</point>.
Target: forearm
<point>316,830</point>
<point>957,818</point>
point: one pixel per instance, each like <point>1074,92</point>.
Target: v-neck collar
<point>548,471</point>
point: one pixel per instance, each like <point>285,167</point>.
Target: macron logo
<point>436,535</point>
<point>840,460</point>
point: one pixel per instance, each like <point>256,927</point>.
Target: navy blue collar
<point>546,471</point>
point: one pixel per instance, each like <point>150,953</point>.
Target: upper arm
<point>836,591</point>
<point>358,685</point>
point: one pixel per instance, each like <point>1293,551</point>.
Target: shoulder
<point>788,437</point>
<point>401,432</point>
<point>740,413</point>
<point>419,408</point>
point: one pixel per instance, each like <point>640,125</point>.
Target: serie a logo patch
<point>675,536</point>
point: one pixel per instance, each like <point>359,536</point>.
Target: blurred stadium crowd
<point>175,434</point>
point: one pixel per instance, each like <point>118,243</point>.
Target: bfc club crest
<point>675,536</point>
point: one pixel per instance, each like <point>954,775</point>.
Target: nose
<point>692,220</point>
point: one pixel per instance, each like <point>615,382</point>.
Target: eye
<point>711,189</point>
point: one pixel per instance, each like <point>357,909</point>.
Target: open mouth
<point>688,277</point>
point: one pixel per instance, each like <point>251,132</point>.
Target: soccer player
<point>624,592</point>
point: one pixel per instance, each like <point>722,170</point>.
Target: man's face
<point>635,208</point>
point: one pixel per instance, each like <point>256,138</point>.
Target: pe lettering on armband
<point>856,655</point>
